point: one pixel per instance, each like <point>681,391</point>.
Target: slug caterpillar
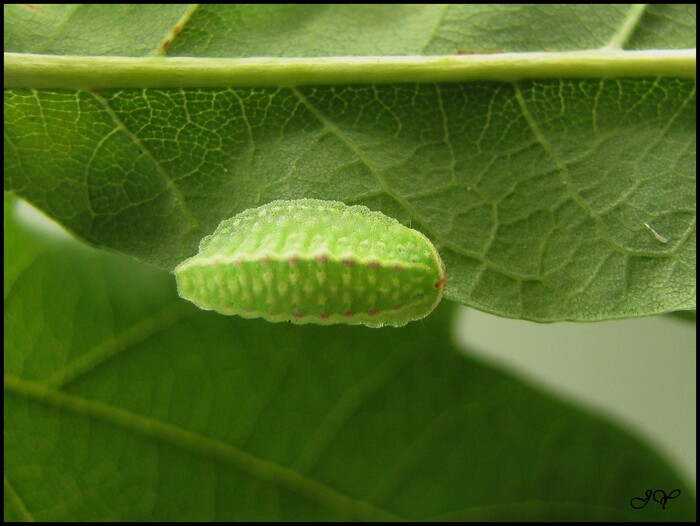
<point>314,261</point>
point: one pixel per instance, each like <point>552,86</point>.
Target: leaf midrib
<point>26,70</point>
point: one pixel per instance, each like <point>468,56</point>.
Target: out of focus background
<point>639,372</point>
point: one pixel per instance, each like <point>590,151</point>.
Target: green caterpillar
<point>314,261</point>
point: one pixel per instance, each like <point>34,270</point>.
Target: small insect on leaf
<point>314,261</point>
<point>656,235</point>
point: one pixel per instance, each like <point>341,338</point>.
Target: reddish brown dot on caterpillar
<point>324,315</point>
<point>398,268</point>
<point>348,314</point>
<point>264,260</point>
<point>398,307</point>
<point>322,260</point>
<point>298,314</point>
<point>348,262</point>
<point>293,261</point>
<point>375,265</point>
<point>440,283</point>
<point>373,312</point>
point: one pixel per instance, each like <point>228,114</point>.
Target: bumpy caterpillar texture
<point>314,261</point>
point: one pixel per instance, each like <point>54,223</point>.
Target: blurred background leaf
<point>124,403</point>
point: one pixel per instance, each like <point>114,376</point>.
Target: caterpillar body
<point>315,261</point>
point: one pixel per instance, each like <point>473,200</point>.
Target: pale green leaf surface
<point>313,30</point>
<point>122,402</point>
<point>549,199</point>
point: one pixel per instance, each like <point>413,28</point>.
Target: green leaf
<point>124,403</point>
<point>553,199</point>
<point>337,29</point>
